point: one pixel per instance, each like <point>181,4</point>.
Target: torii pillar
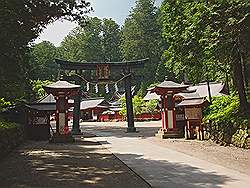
<point>129,104</point>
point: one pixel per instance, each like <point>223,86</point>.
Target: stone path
<point>161,166</point>
<point>149,162</point>
<point>82,164</point>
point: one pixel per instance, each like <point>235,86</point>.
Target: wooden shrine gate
<point>103,70</point>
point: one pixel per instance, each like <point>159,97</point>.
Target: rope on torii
<point>95,84</point>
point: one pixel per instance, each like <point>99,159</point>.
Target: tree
<point>42,64</point>
<point>233,30</point>
<point>138,105</point>
<point>206,39</point>
<point>84,43</point>
<point>37,89</point>
<point>20,23</point>
<point>141,37</point>
<point>98,40</point>
<point>151,106</point>
<point>111,40</point>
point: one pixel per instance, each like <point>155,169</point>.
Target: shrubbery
<point>11,135</point>
<point>37,88</point>
<point>225,124</point>
<point>139,106</point>
<point>3,104</point>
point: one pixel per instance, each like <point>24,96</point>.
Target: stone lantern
<point>167,89</point>
<point>62,90</point>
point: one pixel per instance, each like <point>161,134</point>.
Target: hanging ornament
<point>107,88</point>
<point>87,86</point>
<point>96,88</point>
<point>116,87</point>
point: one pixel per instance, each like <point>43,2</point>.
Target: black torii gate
<point>125,67</point>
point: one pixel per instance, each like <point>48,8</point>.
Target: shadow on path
<point>82,164</point>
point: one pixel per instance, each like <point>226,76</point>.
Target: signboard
<point>180,117</point>
<point>102,72</point>
<point>193,113</point>
<point>40,120</point>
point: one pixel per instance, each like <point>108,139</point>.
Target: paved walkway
<point>163,167</point>
<point>84,164</point>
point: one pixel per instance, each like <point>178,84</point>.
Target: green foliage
<point>98,40</point>
<point>207,40</point>
<point>141,38</point>
<point>42,64</point>
<point>20,23</point>
<point>37,88</point>
<point>224,110</point>
<point>151,106</point>
<point>11,135</point>
<point>227,125</point>
<point>111,40</point>
<point>84,43</point>
<point>139,106</point>
<point>4,104</point>
<point>123,111</point>
<point>6,124</point>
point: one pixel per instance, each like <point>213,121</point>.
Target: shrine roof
<point>47,99</point>
<point>192,102</point>
<point>51,99</point>
<point>108,112</point>
<point>151,96</point>
<point>188,95</point>
<point>42,106</point>
<point>171,85</point>
<point>62,85</point>
<point>70,65</point>
<point>93,103</point>
<point>217,89</point>
<point>115,109</point>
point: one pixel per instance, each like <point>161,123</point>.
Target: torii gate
<point>103,71</point>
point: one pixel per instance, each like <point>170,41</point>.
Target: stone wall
<point>228,134</point>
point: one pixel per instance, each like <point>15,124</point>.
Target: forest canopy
<point>188,41</point>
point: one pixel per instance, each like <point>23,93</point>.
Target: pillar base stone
<point>131,130</point>
<point>168,133</point>
<point>76,132</point>
<point>62,138</point>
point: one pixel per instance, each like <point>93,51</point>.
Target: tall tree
<point>141,37</point>
<point>84,43</point>
<point>111,40</point>
<point>98,40</point>
<point>20,23</point>
<point>206,39</point>
<point>42,64</point>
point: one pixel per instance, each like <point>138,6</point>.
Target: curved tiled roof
<point>62,85</point>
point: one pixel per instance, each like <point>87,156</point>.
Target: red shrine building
<point>167,90</point>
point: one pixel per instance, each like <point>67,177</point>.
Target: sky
<point>118,10</point>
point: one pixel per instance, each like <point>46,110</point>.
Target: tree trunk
<point>245,73</point>
<point>239,81</point>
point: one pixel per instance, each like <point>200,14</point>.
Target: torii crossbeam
<point>125,67</point>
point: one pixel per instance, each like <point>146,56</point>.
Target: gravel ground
<point>230,156</point>
<point>81,164</point>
